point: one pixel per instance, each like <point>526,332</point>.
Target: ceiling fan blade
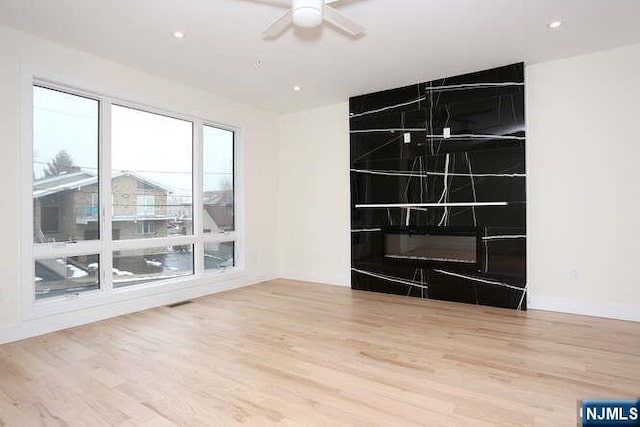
<point>285,3</point>
<point>342,21</point>
<point>330,1</point>
<point>280,25</point>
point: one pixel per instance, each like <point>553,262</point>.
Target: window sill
<point>100,298</point>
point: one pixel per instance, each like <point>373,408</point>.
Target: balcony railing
<point>90,214</point>
<point>86,215</point>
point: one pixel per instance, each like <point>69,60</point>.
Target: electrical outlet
<point>407,138</point>
<point>446,133</point>
<point>574,274</point>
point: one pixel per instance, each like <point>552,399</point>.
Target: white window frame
<point>233,180</point>
<point>32,308</point>
<point>148,205</point>
<point>144,224</point>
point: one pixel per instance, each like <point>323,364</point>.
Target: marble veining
<point>436,158</point>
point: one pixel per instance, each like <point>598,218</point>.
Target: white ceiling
<point>407,41</point>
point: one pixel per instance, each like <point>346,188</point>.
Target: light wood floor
<point>303,354</point>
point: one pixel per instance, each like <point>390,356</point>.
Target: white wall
<point>314,213</point>
<point>21,52</point>
<point>583,192</point>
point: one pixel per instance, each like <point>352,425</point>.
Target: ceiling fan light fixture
<point>307,13</point>
<point>311,13</point>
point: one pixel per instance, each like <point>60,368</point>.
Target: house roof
<point>77,180</point>
<point>58,180</point>
<point>221,215</point>
<point>217,206</point>
<point>219,198</point>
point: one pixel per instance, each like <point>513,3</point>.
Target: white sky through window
<point>64,122</point>
<point>156,147</point>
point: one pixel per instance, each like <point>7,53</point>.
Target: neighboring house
<point>180,209</point>
<point>66,207</point>
<point>218,211</point>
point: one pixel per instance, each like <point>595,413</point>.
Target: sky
<point>156,147</point>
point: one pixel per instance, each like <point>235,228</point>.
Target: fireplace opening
<point>433,245</point>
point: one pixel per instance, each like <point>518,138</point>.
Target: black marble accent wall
<point>438,189</point>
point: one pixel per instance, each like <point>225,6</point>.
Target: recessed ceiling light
<point>178,34</point>
<point>297,88</point>
<point>555,24</point>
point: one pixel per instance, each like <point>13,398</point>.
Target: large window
<point>135,174</point>
<point>66,275</point>
<point>218,196</point>
<point>219,255</point>
<point>152,171</point>
<point>151,264</point>
<point>65,166</point>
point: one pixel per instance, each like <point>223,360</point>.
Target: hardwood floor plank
<point>292,353</point>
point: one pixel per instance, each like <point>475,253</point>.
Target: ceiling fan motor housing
<point>308,13</point>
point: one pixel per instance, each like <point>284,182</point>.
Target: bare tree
<point>226,184</point>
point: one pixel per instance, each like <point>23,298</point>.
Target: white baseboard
<point>561,305</point>
<point>44,325</point>
<point>587,308</point>
<point>335,280</point>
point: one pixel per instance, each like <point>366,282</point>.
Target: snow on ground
<point>153,262</point>
<point>76,272</point>
<point>121,273</point>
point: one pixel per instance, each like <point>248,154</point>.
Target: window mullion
<point>228,236</point>
<point>106,201</point>
<point>198,188</point>
<point>64,249</point>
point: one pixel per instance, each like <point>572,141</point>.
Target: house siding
<point>78,216</point>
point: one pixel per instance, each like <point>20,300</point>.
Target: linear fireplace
<point>437,246</point>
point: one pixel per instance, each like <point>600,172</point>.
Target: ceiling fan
<point>309,14</point>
